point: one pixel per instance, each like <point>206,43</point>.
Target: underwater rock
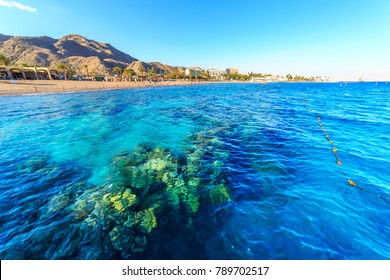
<point>126,159</point>
<point>219,194</point>
<point>130,221</point>
<point>36,164</point>
<point>33,165</point>
<point>149,220</point>
<point>58,202</point>
<point>129,197</point>
<point>80,214</point>
<point>193,202</point>
<point>139,244</point>
<point>120,237</point>
<point>177,193</point>
<point>218,163</point>
<point>81,209</point>
<point>91,222</point>
<point>120,201</point>
<point>220,154</point>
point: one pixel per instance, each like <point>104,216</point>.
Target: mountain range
<point>72,49</point>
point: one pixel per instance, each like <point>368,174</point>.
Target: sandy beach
<point>8,87</point>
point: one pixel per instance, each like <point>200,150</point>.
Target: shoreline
<point>37,87</point>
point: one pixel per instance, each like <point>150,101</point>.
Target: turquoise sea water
<point>225,171</point>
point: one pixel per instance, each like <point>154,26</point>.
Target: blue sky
<point>341,39</point>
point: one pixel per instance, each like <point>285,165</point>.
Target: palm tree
<point>132,73</point>
<point>190,73</point>
<point>153,72</point>
<point>128,72</point>
<point>165,74</point>
<point>205,75</point>
<point>62,67</point>
<point>176,72</point>
<point>71,70</point>
<point>85,66</point>
<point>106,73</point>
<point>117,70</point>
<point>148,72</point>
<point>208,75</point>
<point>141,70</point>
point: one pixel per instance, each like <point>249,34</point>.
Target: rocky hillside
<point>147,66</point>
<point>4,37</point>
<point>72,49</point>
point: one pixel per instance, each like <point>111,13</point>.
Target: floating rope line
<point>338,161</point>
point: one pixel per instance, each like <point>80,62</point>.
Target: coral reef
<point>150,194</point>
<point>152,187</point>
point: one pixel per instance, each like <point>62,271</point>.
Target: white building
<point>218,72</point>
<point>268,79</point>
<point>193,71</point>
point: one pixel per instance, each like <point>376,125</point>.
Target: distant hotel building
<point>213,72</point>
<point>218,72</point>
<point>194,71</point>
<point>269,79</point>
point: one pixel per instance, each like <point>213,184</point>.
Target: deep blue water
<point>225,171</point>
